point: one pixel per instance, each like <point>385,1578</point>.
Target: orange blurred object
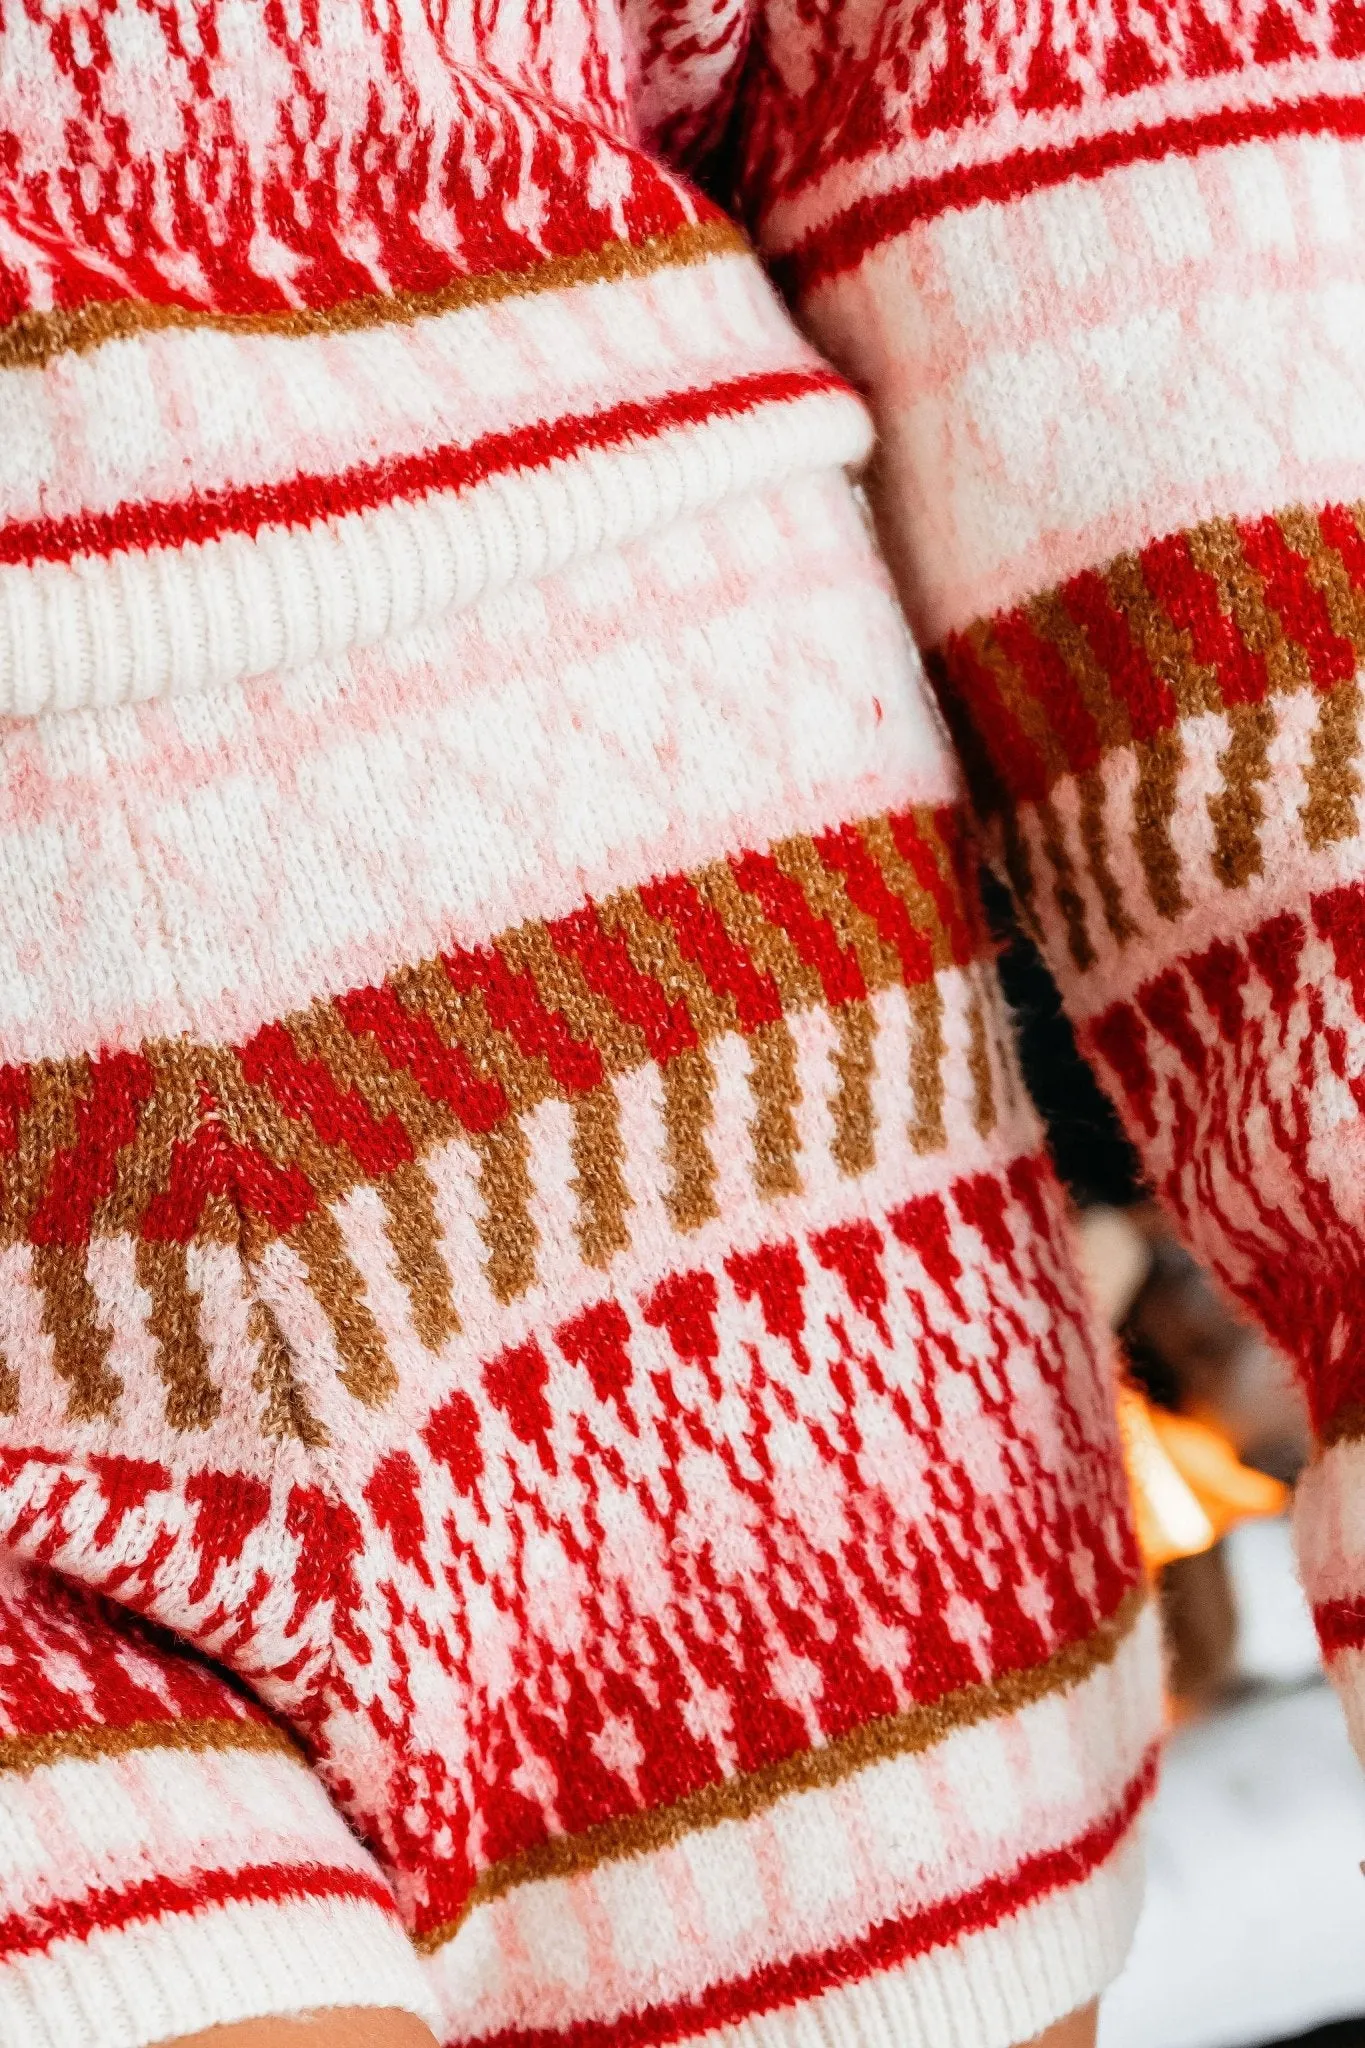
<point>1189,1486</point>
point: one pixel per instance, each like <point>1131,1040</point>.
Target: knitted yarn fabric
<point>555,1468</point>
<point>1102,278</point>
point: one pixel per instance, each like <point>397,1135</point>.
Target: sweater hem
<point>166,1976</point>
<point>995,1988</point>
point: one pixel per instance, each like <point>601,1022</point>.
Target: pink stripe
<point>374,787</point>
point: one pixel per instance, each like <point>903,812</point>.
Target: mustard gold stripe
<point>1236,810</point>
<point>1065,893</point>
<point>507,1226</point>
<point>776,1091</point>
<point>366,1369</point>
<point>182,1358</point>
<point>1330,778</point>
<point>599,1155</point>
<point>928,1132</point>
<point>255,1090</point>
<point>1159,763</point>
<point>414,1233</point>
<point>1095,840</point>
<point>855,1115</point>
<point>984,1113</point>
<point>31,340</point>
<point>687,1084</point>
<point>81,1340</point>
<point>285,1411</point>
<point>743,1798</point>
<point>24,1753</point>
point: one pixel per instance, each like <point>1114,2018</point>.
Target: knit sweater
<point>555,1470</point>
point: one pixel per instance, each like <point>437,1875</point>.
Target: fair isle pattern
<point>208,1809</point>
<point>661,1733</point>
<point>175,1141</point>
<point>231,449</point>
<point>266,160</point>
<point>1157,742</point>
<point>190,507</point>
<point>503,1368</point>
<point>1225,622</point>
<point>32,339</point>
<point>1040,427</point>
<point>868,122</point>
<point>556,1470</point>
<point>1100,276</point>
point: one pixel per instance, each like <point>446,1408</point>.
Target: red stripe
<point>1012,755</point>
<point>1297,602</point>
<point>411,1045</point>
<point>305,1089</point>
<point>1047,679</point>
<point>109,1909</point>
<point>1340,1625</point>
<point>306,497</point>
<point>844,851</point>
<point>884,1947</point>
<point>702,939</point>
<point>813,936</point>
<point>1191,600</point>
<point>663,1020</point>
<point>953,895</point>
<point>515,1005</point>
<point>842,243</point>
<point>105,1116</point>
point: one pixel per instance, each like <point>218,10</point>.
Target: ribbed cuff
<point>175,1974</point>
<point>993,1989</point>
<point>204,614</point>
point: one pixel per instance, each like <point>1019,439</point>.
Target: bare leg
<point>1077,2030</point>
<point>355,2027</point>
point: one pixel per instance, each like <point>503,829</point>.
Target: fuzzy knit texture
<point>555,1471</point>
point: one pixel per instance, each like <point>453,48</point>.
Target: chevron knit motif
<point>1102,277</point>
<point>555,1469</point>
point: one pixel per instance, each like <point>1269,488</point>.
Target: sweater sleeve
<point>168,1861</point>
<point>1101,272</point>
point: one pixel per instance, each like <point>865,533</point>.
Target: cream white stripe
<point>146,416</point>
<point>161,1813</point>
<point>226,858</point>
<point>102,631</point>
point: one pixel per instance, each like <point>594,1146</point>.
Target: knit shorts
<point>557,1472</point>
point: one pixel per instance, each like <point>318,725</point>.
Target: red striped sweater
<point>555,1470</point>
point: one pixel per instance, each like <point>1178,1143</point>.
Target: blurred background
<point>1253,1933</point>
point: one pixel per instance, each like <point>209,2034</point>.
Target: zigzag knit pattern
<point>555,1468</point>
